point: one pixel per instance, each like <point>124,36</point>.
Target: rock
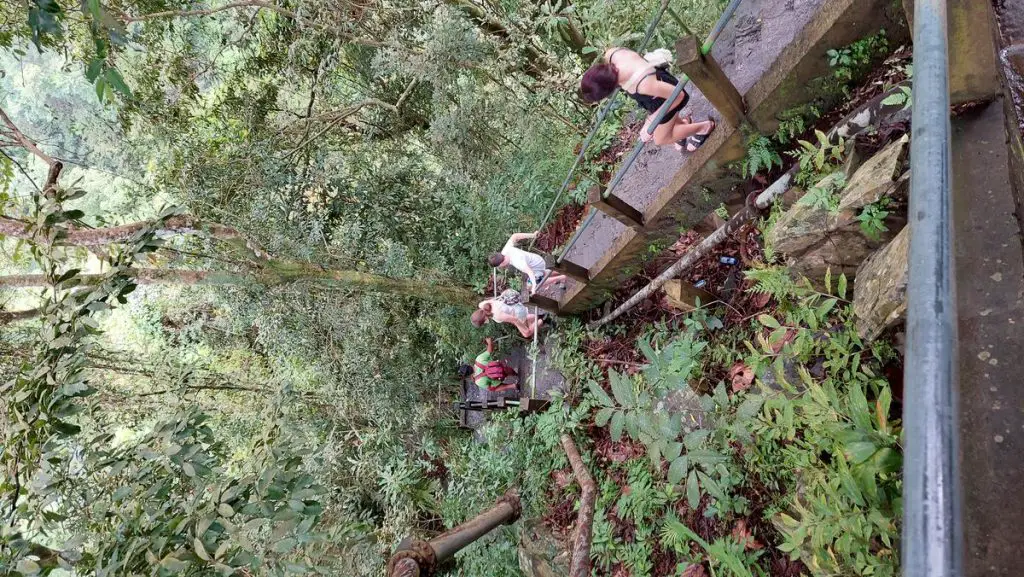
<point>880,299</point>
<point>815,239</point>
<point>541,553</point>
<point>875,178</point>
<point>803,226</point>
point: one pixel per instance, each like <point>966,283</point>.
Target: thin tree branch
<point>258,4</point>
<point>23,140</point>
<point>7,317</point>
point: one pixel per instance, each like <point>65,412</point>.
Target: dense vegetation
<point>229,323</point>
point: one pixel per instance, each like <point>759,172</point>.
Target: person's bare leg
<point>527,327</point>
<point>680,132</point>
<point>553,279</point>
<point>677,130</point>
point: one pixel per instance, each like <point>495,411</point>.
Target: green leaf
<point>173,564</point>
<point>601,396</point>
<point>693,490</point>
<point>101,86</point>
<point>622,388</point>
<point>284,545</point>
<point>225,510</point>
<point>841,289</point>
<point>673,450</point>
<point>615,430</point>
<point>677,470</point>
<point>116,81</point>
<point>92,72</point>
<point>693,440</point>
<point>200,550</point>
<point>768,321</point>
<point>825,308</point>
<point>188,469</point>
<point>860,451</point>
<point>707,457</point>
<point>750,407</point>
<point>778,335</point>
<point>602,417</point>
<point>896,99</point>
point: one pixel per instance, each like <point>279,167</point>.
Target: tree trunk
<point>280,272</point>
<point>94,237</point>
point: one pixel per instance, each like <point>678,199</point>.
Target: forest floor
<point>739,303</point>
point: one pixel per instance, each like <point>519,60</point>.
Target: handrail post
<point>709,77</point>
<point>932,528</point>
<point>417,558</point>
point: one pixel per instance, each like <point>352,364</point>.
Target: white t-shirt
<point>523,260</point>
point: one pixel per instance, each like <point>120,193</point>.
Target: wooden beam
<point>545,302</point>
<point>615,207</point>
<point>683,296</point>
<point>711,80</point>
<point>572,270</point>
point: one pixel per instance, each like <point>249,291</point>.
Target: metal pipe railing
<point>418,558</point>
<point>932,529</point>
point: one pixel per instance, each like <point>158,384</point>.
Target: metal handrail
<point>932,526</point>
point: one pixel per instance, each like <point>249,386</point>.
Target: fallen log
<point>580,564</point>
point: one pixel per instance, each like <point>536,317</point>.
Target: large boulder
<point>880,300</point>
<point>815,239</point>
<point>542,553</point>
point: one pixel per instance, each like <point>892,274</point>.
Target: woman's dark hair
<point>496,259</point>
<point>599,82</point>
<point>465,370</point>
<point>478,318</point>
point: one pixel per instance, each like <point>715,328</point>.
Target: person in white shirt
<point>532,265</point>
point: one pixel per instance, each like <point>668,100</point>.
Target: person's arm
<point>531,279</point>
<point>521,236</point>
<point>490,345</point>
<point>651,86</point>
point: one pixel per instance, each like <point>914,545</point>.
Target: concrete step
<point>990,301</point>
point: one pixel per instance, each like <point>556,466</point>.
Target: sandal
<point>693,143</point>
<point>688,119</point>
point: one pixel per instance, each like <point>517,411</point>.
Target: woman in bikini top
<point>650,87</point>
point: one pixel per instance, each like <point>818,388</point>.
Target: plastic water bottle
<point>727,260</point>
<point>700,284</point>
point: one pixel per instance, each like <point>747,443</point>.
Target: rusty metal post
<point>417,558</point>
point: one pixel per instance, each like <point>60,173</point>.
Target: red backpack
<point>492,370</point>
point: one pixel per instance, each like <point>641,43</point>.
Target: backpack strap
<point>633,84</point>
<point>482,374</point>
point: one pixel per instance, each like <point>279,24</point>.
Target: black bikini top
<point>648,103</point>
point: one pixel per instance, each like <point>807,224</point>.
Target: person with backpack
<point>528,263</point>
<point>646,80</point>
<point>490,374</point>
<point>508,308</point>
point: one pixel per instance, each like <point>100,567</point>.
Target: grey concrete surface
<point>990,301</point>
